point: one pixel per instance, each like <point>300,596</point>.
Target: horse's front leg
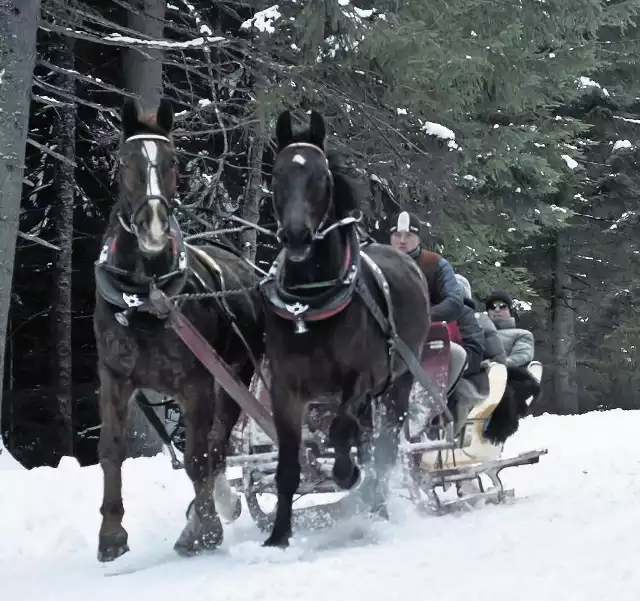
<point>114,399</point>
<point>227,411</point>
<point>288,412</point>
<point>345,433</point>
<point>204,529</point>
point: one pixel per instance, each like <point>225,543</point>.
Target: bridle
<point>130,224</point>
<point>321,231</point>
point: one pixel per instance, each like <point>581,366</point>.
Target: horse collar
<point>335,296</point>
<point>117,286</point>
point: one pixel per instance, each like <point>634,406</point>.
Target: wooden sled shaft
<point>214,363</point>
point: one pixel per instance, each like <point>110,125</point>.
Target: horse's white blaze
<point>155,225</point>
<point>298,158</point>
<point>156,230</point>
<point>225,498</point>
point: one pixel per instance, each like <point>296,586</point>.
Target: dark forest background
<point>510,128</point>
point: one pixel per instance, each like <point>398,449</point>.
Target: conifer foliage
<point>510,127</point>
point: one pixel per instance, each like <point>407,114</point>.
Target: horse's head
<point>302,185</point>
<point>148,174</point>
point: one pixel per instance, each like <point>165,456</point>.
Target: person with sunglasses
<point>492,344</point>
<point>519,345</point>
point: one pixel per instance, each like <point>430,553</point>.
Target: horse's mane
<point>347,190</point>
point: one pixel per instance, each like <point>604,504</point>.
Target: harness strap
<point>147,408</point>
<point>227,312</point>
<point>396,343</point>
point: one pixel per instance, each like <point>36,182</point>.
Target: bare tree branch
<point>37,240</point>
<point>50,152</point>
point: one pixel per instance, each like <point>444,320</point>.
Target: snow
<point>585,82</point>
<point>7,463</point>
<point>47,100</point>
<point>435,129</point>
<point>195,43</point>
<point>263,20</point>
<point>568,536</point>
<point>571,162</point>
<point>627,119</point>
<point>522,305</point>
<point>440,131</point>
<point>622,144</point>
<point>622,219</point>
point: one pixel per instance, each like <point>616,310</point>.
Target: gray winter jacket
<point>493,347</point>
<point>518,343</point>
<point>490,343</point>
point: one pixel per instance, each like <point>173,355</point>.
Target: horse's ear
<point>317,130</point>
<point>164,116</point>
<point>284,133</point>
<point>130,112</point>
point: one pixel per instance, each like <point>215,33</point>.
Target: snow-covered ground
<point>572,534</point>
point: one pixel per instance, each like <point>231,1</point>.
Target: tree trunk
<point>565,393</point>
<point>143,66</point>
<point>18,29</point>
<point>143,77</point>
<point>64,183</point>
<point>252,193</point>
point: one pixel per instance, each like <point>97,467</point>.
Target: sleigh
<point>432,460</point>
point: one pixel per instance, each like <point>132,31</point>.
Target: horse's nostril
<point>297,237</point>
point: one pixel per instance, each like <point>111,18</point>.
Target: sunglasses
<point>499,306</point>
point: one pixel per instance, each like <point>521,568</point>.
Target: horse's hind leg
<point>204,529</point>
<point>394,410</point>
<point>114,399</point>
<point>287,416</point>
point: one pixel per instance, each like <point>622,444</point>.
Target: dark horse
<point>322,337</point>
<point>142,246</point>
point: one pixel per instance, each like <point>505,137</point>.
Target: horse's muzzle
<point>152,226</point>
<point>297,242</point>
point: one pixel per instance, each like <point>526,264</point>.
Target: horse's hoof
<point>188,549</point>
<point>196,538</point>
<point>191,548</point>
<point>280,542</point>
<point>112,546</point>
<point>345,473</point>
<point>380,512</point>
